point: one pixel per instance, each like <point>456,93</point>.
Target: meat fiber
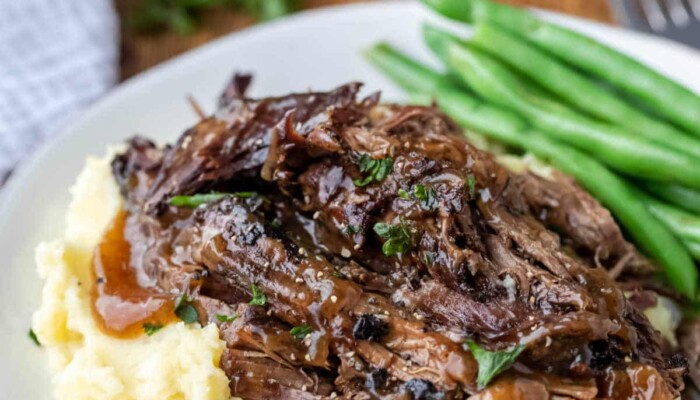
<point>389,241</point>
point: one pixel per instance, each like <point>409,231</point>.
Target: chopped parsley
<point>300,331</point>
<point>471,184</point>
<point>398,238</point>
<point>197,200</point>
<point>244,195</point>
<point>150,328</point>
<point>351,230</point>
<point>426,195</point>
<point>492,363</point>
<point>226,318</point>
<point>32,336</point>
<point>338,274</point>
<point>429,258</point>
<point>373,170</point>
<point>259,298</point>
<point>185,310</point>
<point>276,223</point>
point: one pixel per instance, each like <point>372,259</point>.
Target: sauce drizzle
<point>120,305</point>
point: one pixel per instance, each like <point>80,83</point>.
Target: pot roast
<point>359,250</point>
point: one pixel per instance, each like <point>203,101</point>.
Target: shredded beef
<point>488,255</point>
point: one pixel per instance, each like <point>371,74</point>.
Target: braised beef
<point>387,240</point>
<point>369,327</point>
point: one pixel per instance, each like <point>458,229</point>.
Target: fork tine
<point>674,19</point>
<point>629,13</point>
<point>654,13</point>
<point>694,6</point>
<point>678,14</point>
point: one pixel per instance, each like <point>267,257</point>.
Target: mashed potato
<point>177,362</point>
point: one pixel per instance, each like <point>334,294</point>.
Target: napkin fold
<point>56,58</point>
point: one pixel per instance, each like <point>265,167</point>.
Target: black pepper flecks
<point>376,379</point>
<point>604,353</point>
<point>369,327</point>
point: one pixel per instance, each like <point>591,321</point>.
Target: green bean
<point>578,90</point>
<point>419,80</point>
<point>684,197</point>
<point>681,196</point>
<point>685,225</point>
<point>668,98</point>
<point>438,40</point>
<point>694,249</point>
<point>408,74</point>
<point>616,148</point>
<point>614,193</point>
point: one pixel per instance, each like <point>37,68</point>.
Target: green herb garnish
<point>300,331</point>
<point>259,298</point>
<point>492,363</point>
<point>226,318</point>
<point>471,184</point>
<point>398,238</point>
<point>276,223</point>
<point>351,230</point>
<point>244,195</point>
<point>186,311</point>
<point>339,275</point>
<point>198,199</point>
<point>429,258</point>
<point>150,328</point>
<point>32,336</point>
<point>426,195</point>
<point>374,170</point>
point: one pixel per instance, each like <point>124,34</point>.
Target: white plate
<point>318,49</point>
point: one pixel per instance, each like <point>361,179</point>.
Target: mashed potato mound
<point>178,362</point>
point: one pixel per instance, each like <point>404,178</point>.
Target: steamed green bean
<point>681,196</point>
<point>623,152</point>
<point>577,90</point>
<point>668,98</point>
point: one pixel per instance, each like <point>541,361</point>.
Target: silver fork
<point>675,19</point>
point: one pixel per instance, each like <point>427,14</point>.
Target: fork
<point>674,19</point>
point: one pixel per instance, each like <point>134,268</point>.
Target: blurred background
<point>57,57</point>
<point>150,41</point>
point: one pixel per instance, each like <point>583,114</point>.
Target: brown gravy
<point>120,305</point>
<point>636,381</point>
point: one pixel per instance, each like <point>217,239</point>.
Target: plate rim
<point>33,166</point>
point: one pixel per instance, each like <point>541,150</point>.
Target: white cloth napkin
<point>56,57</point>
